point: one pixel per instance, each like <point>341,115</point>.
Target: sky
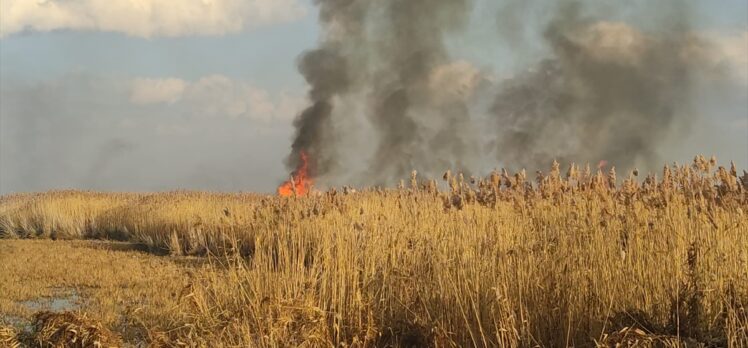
<point>152,95</point>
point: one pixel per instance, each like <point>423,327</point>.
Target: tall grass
<point>579,259</point>
<point>57,214</point>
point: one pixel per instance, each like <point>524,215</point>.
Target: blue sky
<point>70,119</point>
<point>266,54</point>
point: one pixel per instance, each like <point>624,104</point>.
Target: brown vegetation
<point>579,259</point>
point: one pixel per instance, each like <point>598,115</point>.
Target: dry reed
<point>578,259</point>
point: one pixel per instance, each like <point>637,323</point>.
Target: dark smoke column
<point>386,51</point>
<point>326,71</point>
<point>322,70</point>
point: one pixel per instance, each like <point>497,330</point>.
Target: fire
<point>299,179</point>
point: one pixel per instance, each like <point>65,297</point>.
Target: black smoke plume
<point>391,48</point>
<point>326,69</point>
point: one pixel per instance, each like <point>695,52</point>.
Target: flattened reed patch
<point>68,329</point>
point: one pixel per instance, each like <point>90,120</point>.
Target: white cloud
<point>146,18</point>
<point>152,91</point>
<point>217,96</point>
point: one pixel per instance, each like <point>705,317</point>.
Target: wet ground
<point>123,286</point>
<point>67,300</point>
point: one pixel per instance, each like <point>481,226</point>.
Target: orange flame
<point>300,180</point>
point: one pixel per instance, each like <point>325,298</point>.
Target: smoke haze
<point>82,131</point>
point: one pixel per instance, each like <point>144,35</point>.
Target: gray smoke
<point>610,82</point>
<point>402,100</point>
<point>107,155</point>
<point>607,92</point>
<point>389,48</point>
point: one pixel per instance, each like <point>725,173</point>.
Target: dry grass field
<point>579,258</point>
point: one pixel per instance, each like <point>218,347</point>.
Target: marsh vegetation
<point>581,258</point>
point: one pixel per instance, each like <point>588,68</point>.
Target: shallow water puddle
<point>66,300</point>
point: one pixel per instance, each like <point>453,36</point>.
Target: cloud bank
<point>146,18</point>
<point>216,96</point>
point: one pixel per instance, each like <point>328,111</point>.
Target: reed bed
<point>579,258</point>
